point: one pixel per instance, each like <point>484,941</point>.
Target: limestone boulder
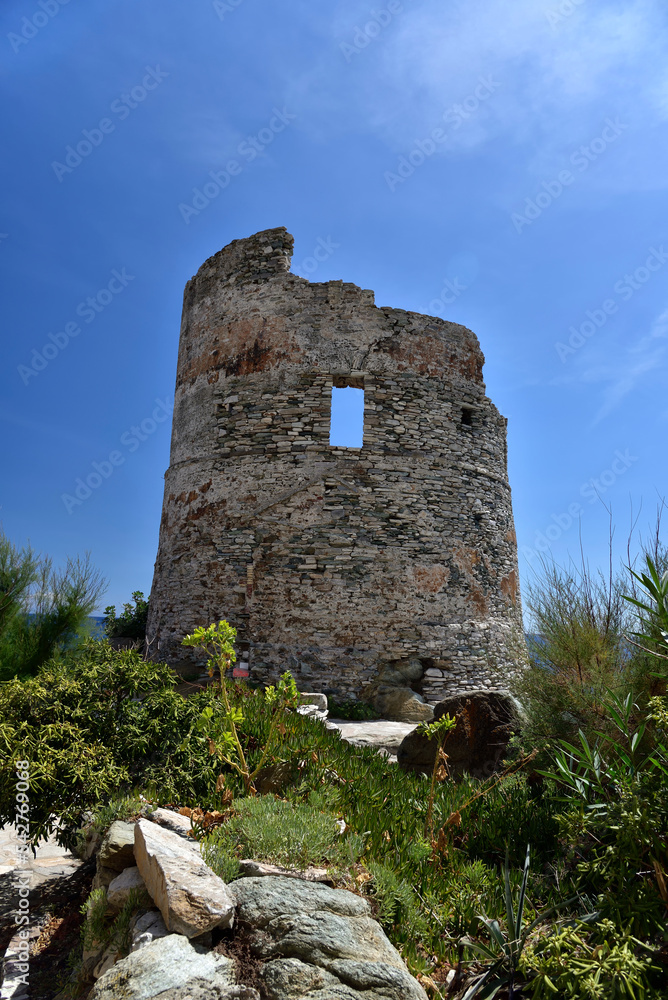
<point>171,964</point>
<point>120,888</point>
<point>176,822</point>
<point>145,928</point>
<point>402,704</point>
<point>190,896</point>
<point>485,722</point>
<point>319,943</point>
<point>116,853</point>
<point>314,698</point>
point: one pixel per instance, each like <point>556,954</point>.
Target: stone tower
<point>394,562</point>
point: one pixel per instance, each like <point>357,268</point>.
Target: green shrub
<point>42,610</point>
<point>351,709</point>
<point>294,835</point>
<point>131,623</point>
<point>97,724</point>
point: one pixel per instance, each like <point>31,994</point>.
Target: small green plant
<point>99,931</point>
<point>439,731</point>
<point>506,948</point>
<point>294,835</point>
<point>221,728</point>
<point>616,795</point>
<point>131,623</point>
<point>574,962</point>
<point>351,709</point>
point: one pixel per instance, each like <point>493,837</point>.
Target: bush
<point>131,623</point>
<point>351,709</point>
<point>294,835</point>
<point>96,724</point>
<point>42,610</point>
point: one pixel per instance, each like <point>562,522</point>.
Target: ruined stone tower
<point>341,564</point>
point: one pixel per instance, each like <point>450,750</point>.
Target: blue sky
<point>502,165</point>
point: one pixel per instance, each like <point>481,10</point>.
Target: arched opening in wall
<point>346,428</point>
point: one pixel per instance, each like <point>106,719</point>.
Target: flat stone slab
<point>377,733</point>
<point>190,896</point>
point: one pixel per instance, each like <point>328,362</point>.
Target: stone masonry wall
<point>334,562</point>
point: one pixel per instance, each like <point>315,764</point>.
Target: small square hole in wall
<point>467,417</point>
<point>346,427</point>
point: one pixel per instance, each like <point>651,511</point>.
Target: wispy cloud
<point>625,373</point>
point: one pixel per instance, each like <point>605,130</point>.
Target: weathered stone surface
<point>191,898</point>
<point>339,949</point>
<point>336,561</point>
<point>377,733</point>
<point>117,848</point>
<point>401,704</point>
<point>146,927</point>
<point>120,888</point>
<point>173,821</point>
<point>314,698</point>
<point>169,963</point>
<point>260,869</point>
<point>484,726</point>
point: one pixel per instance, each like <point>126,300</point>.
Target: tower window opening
<point>467,416</point>
<point>346,429</point>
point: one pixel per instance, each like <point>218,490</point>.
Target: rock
<point>402,704</point>
<point>120,888</point>
<point>169,963</point>
<point>117,848</point>
<point>399,673</point>
<point>109,958</point>
<point>258,869</point>
<point>176,822</point>
<point>191,897</point>
<point>147,927</point>
<point>274,777</point>
<point>312,712</point>
<point>380,734</point>
<point>484,725</point>
<point>320,943</point>
<point>315,698</point>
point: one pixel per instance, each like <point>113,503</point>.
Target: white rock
<point>120,888</point>
<point>174,821</point>
<point>148,927</point>
<point>169,963</point>
<point>190,896</point>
